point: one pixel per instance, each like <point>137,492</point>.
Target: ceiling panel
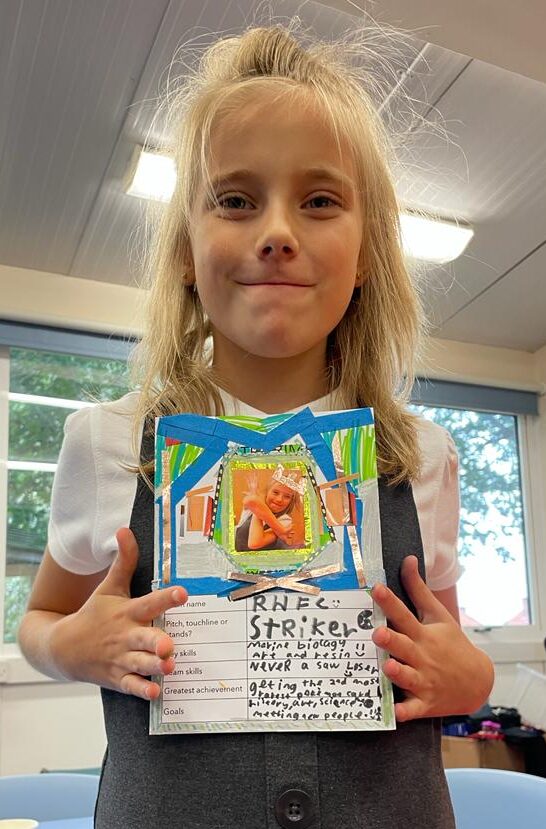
<point>490,160</point>
<point>492,174</point>
<point>511,313</point>
<point>115,225</point>
<point>500,32</point>
<point>69,71</point>
<point>428,77</point>
<point>78,90</point>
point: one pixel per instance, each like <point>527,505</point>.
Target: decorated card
<point>272,526</point>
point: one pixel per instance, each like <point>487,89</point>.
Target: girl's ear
<point>183,258</point>
<point>360,279</point>
<point>188,275</point>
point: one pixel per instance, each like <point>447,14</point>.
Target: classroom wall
<point>46,724</point>
<point>69,302</point>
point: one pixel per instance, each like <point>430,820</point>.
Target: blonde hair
<point>371,352</point>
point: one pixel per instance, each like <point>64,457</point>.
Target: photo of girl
<point>272,520</point>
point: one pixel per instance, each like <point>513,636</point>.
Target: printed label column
<point>210,678</point>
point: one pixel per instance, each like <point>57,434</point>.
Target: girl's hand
<point>109,641</point>
<point>432,659</point>
<point>252,483</point>
<point>288,536</point>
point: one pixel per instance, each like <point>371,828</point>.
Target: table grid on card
<point>273,658</point>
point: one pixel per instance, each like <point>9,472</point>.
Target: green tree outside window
<point>35,437</point>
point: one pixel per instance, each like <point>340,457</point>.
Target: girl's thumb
<point>118,578</point>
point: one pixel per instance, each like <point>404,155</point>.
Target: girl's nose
<point>276,250</point>
<point>277,242</point>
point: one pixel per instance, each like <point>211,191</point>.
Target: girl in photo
<point>266,522</point>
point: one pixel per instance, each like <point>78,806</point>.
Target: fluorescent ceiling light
<point>153,176</point>
<point>434,240</point>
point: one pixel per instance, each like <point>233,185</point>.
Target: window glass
<point>493,590</point>
<point>44,389</point>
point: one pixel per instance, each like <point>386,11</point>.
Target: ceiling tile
<point>511,313</point>
<point>109,248</point>
<point>69,73</point>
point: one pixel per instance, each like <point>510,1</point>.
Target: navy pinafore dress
<point>332,780</point>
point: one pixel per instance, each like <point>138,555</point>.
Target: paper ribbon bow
<point>259,582</point>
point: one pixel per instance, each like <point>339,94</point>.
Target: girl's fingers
<point>397,644</point>
<point>426,604</point>
<point>396,611</point>
<point>164,646</point>
<point>404,676</point>
<point>150,639</point>
<point>410,709</point>
<point>137,686</point>
<point>118,579</point>
<point>147,664</point>
<point>149,607</point>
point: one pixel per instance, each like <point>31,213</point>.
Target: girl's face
<point>278,498</point>
<point>275,264</point>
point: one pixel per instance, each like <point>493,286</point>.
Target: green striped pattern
<point>257,424</point>
<point>357,450</point>
<point>181,455</point>
<point>357,447</point>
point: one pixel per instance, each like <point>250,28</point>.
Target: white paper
<point>274,658</point>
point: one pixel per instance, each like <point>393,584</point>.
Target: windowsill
<point>508,645</point>
<point>15,670</point>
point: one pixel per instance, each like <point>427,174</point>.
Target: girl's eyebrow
<point>330,174</point>
<point>233,175</point>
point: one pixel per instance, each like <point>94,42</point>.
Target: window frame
<point>14,669</point>
<point>508,644</point>
<point>525,643</point>
<point>533,443</point>
<point>4,443</point>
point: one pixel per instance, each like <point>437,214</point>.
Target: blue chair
<point>496,798</point>
<point>48,796</point>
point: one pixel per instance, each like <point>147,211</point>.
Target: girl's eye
<point>322,201</point>
<point>233,203</point>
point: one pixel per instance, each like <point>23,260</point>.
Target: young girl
<point>266,522</point>
<point>281,243</point>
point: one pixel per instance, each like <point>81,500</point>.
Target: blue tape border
<point>213,435</point>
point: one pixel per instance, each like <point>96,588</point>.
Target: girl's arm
<point>257,536</point>
<point>259,509</point>
<point>87,628</point>
<point>432,659</point>
<point>56,593</point>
